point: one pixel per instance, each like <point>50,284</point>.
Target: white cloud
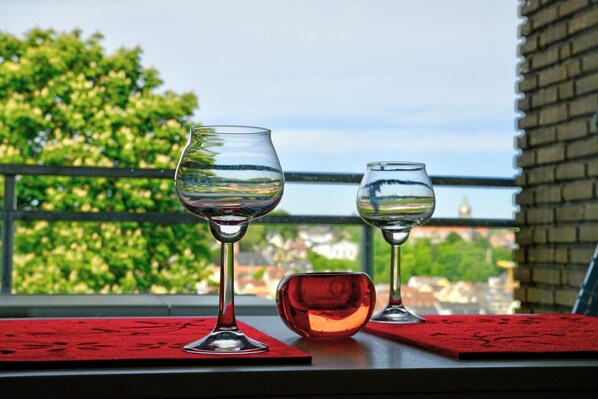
<point>340,82</point>
<point>334,142</point>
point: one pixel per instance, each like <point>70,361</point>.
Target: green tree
<point>255,238</point>
<point>453,258</point>
<point>323,264</point>
<point>64,101</point>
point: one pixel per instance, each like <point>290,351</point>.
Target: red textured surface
<point>499,337</point>
<point>36,343</point>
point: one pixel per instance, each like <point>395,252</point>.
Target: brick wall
<point>558,204</point>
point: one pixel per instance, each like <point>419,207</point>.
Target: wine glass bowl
<point>229,176</point>
<point>395,197</point>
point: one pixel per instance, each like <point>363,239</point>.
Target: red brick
<point>570,171</point>
<point>530,6</point>
<point>566,90</point>
<point>529,120</point>
<point>591,211</point>
<point>584,21</point>
<point>570,6</point>
<point>586,84</point>
<point>539,235</point>
<point>520,255</point>
<point>530,45</point>
<point>542,136</point>
<point>564,51</point>
<point>550,154</point>
<point>540,254</point>
<point>524,104</point>
<point>570,213</point>
<point>582,255</point>
<point>566,297</point>
<point>545,96</point>
<point>574,276</point>
<point>584,106</point>
<point>520,295</point>
<point>544,16</point>
<point>572,130</point>
<point>527,158</point>
<point>561,255</point>
<point>543,174</point>
<point>523,274</point>
<point>540,216</point>
<point>588,232</point>
<point>540,295</point>
<point>589,62</point>
<point>573,68</point>
<point>550,194</point>
<point>552,75</point>
<point>521,180</point>
<point>546,275</point>
<point>562,234</point>
<point>585,42</point>
<point>583,148</point>
<point>524,236</point>
<point>524,197</point>
<point>553,33</point>
<point>544,58</point>
<point>578,190</point>
<point>553,114</point>
<point>529,83</point>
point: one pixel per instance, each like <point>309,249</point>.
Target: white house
<point>343,249</point>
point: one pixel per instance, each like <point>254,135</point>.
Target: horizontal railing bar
<point>84,171</point>
<point>182,218</point>
<point>291,177</point>
<point>474,181</point>
<point>317,177</point>
<point>477,222</point>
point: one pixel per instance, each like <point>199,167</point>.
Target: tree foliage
<point>64,101</point>
<point>323,264</point>
<point>453,258</point>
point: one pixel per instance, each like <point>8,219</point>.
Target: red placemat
<point>499,337</point>
<point>42,343</point>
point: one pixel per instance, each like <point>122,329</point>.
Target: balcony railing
<point>10,212</point>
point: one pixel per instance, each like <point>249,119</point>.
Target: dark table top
<point>363,366</point>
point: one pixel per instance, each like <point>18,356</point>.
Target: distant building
<point>255,273</point>
<point>343,249</point>
<point>427,295</point>
<point>465,209</point>
<point>315,235</point>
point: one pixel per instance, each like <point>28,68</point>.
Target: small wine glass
<point>395,196</point>
<point>228,175</point>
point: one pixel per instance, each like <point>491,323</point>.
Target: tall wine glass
<point>395,196</point>
<point>228,175</point>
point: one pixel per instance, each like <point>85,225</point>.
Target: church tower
<point>464,209</point>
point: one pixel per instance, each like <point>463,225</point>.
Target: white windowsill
<point>127,305</point>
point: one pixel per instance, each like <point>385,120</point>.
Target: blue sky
<point>339,82</point>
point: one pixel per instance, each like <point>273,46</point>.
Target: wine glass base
<point>226,342</point>
<point>397,315</point>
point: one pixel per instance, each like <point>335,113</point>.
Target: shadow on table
<point>347,351</point>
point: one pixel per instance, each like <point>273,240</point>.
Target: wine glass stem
<point>395,276</point>
<point>226,307</point>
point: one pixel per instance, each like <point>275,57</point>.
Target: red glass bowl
<point>326,305</point>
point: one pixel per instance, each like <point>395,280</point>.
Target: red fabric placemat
<point>499,337</point>
<point>86,342</point>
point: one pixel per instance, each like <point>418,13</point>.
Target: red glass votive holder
<point>331,305</point>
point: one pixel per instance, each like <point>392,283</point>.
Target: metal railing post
<point>10,205</point>
<point>367,250</point>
